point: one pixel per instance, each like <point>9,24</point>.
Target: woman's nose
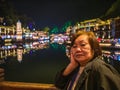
<point>78,48</point>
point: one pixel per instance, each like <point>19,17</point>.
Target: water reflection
<point>33,62</point>
<point>39,61</point>
<point>18,49</point>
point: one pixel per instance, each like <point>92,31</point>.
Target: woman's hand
<point>71,66</point>
<point>73,62</point>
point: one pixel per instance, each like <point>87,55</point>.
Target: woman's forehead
<point>81,38</point>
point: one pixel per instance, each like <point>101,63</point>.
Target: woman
<point>87,69</point>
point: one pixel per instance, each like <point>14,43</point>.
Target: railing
<point>8,85</point>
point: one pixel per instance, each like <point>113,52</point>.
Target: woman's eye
<point>82,44</point>
<point>74,46</point>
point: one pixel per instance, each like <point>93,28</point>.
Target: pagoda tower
<point>18,31</point>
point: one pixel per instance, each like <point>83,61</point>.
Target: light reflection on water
<point>39,61</point>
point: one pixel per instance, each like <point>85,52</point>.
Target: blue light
<point>118,40</point>
<point>118,57</point>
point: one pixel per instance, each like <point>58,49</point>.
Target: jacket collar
<point>85,72</point>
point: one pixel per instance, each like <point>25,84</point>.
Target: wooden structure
<point>7,85</point>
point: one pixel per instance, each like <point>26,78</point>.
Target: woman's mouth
<point>78,55</point>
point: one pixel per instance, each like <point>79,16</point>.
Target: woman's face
<point>81,50</point>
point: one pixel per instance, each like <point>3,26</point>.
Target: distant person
<point>87,70</point>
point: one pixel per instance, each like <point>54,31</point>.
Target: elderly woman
<point>87,69</point>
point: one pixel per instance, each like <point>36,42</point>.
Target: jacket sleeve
<point>108,78</point>
<point>60,80</point>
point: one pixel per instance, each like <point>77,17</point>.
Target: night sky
<point>57,12</point>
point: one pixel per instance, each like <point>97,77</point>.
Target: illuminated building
<point>18,31</point>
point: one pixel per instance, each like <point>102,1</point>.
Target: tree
<point>46,29</point>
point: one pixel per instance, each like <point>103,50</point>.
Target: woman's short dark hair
<point>92,40</point>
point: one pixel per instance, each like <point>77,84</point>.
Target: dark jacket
<point>97,75</point>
